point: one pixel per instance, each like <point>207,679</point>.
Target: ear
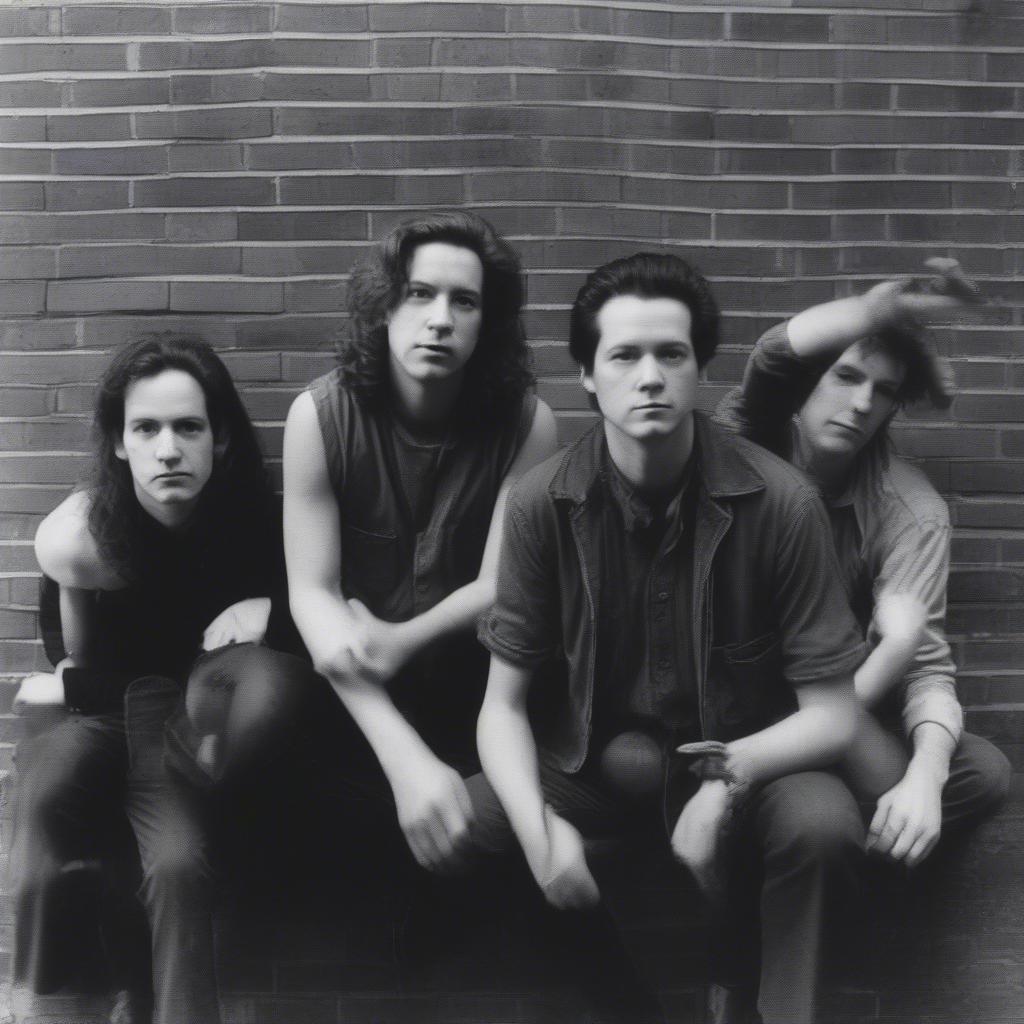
<point>587,380</point>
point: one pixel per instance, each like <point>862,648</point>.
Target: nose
<point>649,375</point>
<point>167,449</point>
<point>863,398</point>
<point>439,317</point>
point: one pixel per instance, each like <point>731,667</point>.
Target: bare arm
<point>508,753</point>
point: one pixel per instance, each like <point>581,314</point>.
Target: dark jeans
<point>88,771</point>
<point>800,836</point>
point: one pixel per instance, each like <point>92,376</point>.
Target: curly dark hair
<point>927,375</point>
<point>497,374</point>
<point>648,275</point>
<point>238,493</point>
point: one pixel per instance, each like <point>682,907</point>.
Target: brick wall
<point>219,167</point>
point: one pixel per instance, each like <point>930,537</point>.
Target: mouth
<point>172,477</point>
<point>651,407</point>
<point>848,428</point>
<point>436,350</point>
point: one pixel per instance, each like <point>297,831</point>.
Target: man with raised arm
<point>821,390</point>
<point>689,579</point>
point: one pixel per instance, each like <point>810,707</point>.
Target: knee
<point>980,776</point>
<point>817,823</point>
<point>176,870</point>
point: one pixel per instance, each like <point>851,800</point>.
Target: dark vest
<point>399,572</point>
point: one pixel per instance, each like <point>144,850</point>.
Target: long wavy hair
<point>497,374</point>
<point>238,491</point>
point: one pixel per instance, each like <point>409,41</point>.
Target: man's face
<point>645,371</point>
<point>854,398</point>
<point>433,330</point>
<point>167,443</point>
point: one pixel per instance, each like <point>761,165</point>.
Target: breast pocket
<point>748,686</point>
<point>369,563</point>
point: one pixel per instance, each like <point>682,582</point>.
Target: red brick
<point>86,195</point>
<point>19,58</point>
<point>856,28</point>
<point>954,97</point>
<point>30,93</point>
<point>87,127</point>
<point>210,19</point>
<point>346,190</point>
<point>227,296</point>
<point>954,161</point>
<point>22,655</point>
<point>673,124</point>
<point>542,186</point>
<point>321,18</point>
<point>101,296</point>
<point>225,53</point>
<point>363,121</point>
<point>557,120</point>
<point>205,156</point>
<point>412,86</point>
<point>401,53</point>
<point>715,195</point>
<point>329,225</point>
<point>746,128</point>
<point>204,191</point>
<point>22,128</point>
<point>146,260</point>
<point>330,86</point>
<point>25,161</point>
<point>188,89</point>
<point>472,86</point>
<point>133,20</point>
<point>138,159</point>
<point>22,335</point>
<point>39,500</point>
<point>22,297</point>
<point>37,468</point>
<point>330,53</point>
<point>201,227</point>
<point>754,62</point>
<point>315,296</point>
<point>913,64</point>
<point>249,366</point>
<point>430,189</point>
<point>996,477</point>
<point>288,260</point>
<point>32,21</point>
<point>114,331</point>
<point>782,227</point>
<point>870,195</point>
<point>303,367</point>
<point>26,263</point>
<point>15,229</point>
<point>433,18</point>
<point>118,92</point>
<point>228,123</point>
<point>21,195</point>
<point>864,161</point>
<point>779,28</point>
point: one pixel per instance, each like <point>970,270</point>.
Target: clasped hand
<point>434,812</point>
<point>244,622</point>
<point>560,866</point>
<point>908,819</point>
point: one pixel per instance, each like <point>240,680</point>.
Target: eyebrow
<point>428,284</point>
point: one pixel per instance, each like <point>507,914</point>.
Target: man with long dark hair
<point>396,467</point>
<point>162,554</point>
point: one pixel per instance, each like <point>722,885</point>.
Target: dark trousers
<point>84,773</point>
<point>800,837</point>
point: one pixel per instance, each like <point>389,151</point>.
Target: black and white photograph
<point>511,512</point>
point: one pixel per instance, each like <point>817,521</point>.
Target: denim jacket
<point>769,614</point>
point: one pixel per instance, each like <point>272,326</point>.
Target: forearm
<point>508,755</point>
<point>933,750</point>
<point>829,329</point>
<point>883,669</point>
<point>812,737</point>
<point>322,618</point>
<point>458,611</point>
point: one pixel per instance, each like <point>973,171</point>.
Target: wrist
<point>929,765</point>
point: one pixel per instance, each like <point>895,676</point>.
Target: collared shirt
<point>645,649</point>
<point>891,529</point>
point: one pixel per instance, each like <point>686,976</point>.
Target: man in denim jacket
<point>689,580</point>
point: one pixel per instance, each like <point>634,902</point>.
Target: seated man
<point>689,578</point>
<point>396,467</point>
<point>843,369</point>
<point>155,561</point>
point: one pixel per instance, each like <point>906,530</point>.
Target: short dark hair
<point>238,489</point>
<point>497,374</point>
<point>648,275</point>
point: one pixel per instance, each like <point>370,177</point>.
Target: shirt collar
<point>637,513</point>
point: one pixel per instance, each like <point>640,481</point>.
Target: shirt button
<point>421,586</point>
<point>662,595</point>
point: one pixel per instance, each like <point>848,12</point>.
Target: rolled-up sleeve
<point>523,626</point>
<point>914,559</point>
<point>776,383</point>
